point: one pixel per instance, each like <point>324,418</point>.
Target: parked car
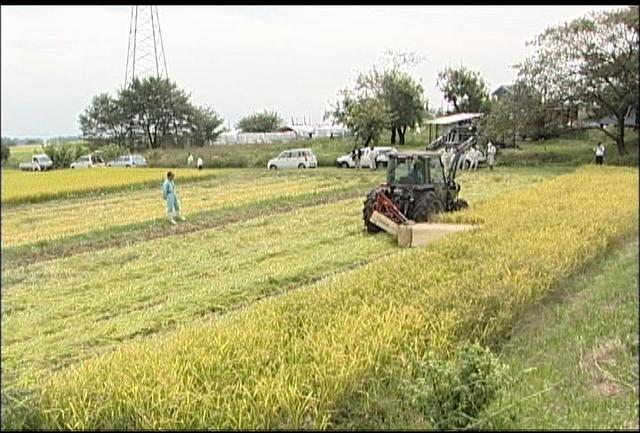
<point>128,161</point>
<point>294,158</point>
<point>39,162</point>
<point>88,161</point>
<point>345,161</point>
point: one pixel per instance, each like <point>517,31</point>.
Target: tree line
<point>149,113</point>
<point>588,64</point>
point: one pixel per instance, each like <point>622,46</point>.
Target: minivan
<point>293,158</point>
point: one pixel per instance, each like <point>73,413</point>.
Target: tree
<point>267,121</point>
<point>405,101</point>
<point>154,111</point>
<point>367,116</point>
<point>6,152</point>
<point>204,125</point>
<point>62,155</point>
<point>400,99</point>
<point>465,89</point>
<point>8,141</point>
<point>592,60</point>
<point>523,112</point>
<point>104,120</point>
<point>155,107</point>
<point>403,96</point>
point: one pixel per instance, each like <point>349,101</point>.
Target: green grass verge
<point>576,357</point>
<point>572,149</point>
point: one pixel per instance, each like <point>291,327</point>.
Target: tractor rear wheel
<point>367,211</point>
<point>426,207</point>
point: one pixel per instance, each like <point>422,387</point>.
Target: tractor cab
<point>415,168</point>
<point>416,189</point>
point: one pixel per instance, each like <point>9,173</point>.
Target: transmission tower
<point>145,51</point>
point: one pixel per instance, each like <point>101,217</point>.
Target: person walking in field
<point>200,163</point>
<point>356,157</point>
<point>190,159</point>
<point>170,194</point>
<point>600,151</point>
<point>491,155</point>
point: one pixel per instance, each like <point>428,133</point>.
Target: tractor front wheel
<point>427,207</point>
<point>367,211</point>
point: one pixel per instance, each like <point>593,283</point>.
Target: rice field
<point>23,186</point>
<point>46,221</point>
<point>269,322</point>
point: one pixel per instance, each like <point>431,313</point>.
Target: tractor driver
<point>416,172</point>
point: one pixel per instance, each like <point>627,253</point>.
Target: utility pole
<point>145,50</point>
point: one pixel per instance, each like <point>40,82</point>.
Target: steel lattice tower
<point>145,50</point>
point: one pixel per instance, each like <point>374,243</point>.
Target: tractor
<point>417,188</point>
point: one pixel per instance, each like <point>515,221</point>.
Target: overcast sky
<point>241,59</point>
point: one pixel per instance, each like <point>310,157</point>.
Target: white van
<point>88,161</point>
<point>293,158</point>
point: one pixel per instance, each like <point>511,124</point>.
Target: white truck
<point>39,162</point>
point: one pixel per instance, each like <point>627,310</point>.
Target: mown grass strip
<point>286,362</point>
<point>129,234</point>
<point>49,221</point>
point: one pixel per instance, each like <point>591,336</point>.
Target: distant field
<point>24,186</point>
<point>20,154</point>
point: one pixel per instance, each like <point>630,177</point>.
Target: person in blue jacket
<point>170,194</point>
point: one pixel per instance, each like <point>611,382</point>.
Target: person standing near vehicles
<point>600,151</point>
<point>373,154</point>
<point>356,159</point>
<point>170,194</point>
<point>491,155</point>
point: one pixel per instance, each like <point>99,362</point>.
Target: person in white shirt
<point>600,151</point>
<point>491,155</point>
<point>189,159</point>
<point>475,158</point>
<point>470,157</point>
<point>200,163</point>
<point>373,154</point>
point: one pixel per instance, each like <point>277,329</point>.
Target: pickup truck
<point>39,162</point>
